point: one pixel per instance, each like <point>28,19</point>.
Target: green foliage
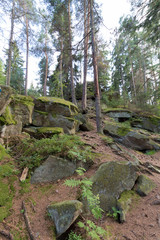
<point>74,236</point>
<point>33,151</point>
<point>2,75</point>
<point>150,152</point>
<point>86,190</point>
<point>115,213</point>
<point>94,232</point>
<point>17,72</point>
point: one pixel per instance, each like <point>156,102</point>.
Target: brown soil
<point>142,222</point>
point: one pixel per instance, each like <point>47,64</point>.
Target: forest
<point>126,73</point>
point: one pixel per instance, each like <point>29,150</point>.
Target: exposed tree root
<point>27,222</point>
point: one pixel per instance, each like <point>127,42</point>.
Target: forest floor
<point>142,221</point>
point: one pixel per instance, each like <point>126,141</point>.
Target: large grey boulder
<point>111,179</point>
<point>129,137</point>
<point>53,169</point>
<point>64,214</point>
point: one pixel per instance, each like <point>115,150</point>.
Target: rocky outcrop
<point>64,214</point>
<point>111,179</point>
<point>130,137</point>
<point>55,112</point>
<point>17,112</point>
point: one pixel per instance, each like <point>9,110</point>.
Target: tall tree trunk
<point>133,82</point>
<point>86,39</point>
<point>60,68</point>
<point>71,58</point>
<point>46,67</point>
<point>8,75</point>
<point>95,66</point>
<point>27,49</point>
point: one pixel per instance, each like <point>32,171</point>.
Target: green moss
<point>122,131</point>
<point>6,170</point>
<point>54,130</point>
<point>3,153</point>
<point>25,187</point>
<point>6,197</point>
<point>25,100</point>
<point>7,118</point>
<point>59,101</point>
<point>126,202</point>
<point>108,140</point>
<point>40,112</point>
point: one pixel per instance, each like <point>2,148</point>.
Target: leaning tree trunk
<point>8,75</point>
<point>71,58</point>
<point>95,66</point>
<point>86,39</point>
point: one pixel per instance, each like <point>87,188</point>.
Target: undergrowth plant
<point>32,152</point>
<point>93,231</point>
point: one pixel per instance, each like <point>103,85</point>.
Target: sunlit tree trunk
<point>61,68</point>
<point>46,65</point>
<point>8,75</point>
<point>71,58</point>
<point>27,54</point>
<point>86,39</point>
<point>94,54</point>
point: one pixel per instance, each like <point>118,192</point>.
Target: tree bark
<point>71,58</point>
<point>86,39</point>
<point>95,66</point>
<point>60,68</point>
<point>8,75</point>
<point>46,67</point>
<point>27,48</point>
<point>133,81</point>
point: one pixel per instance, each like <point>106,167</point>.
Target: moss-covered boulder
<point>22,109</point>
<point>64,214</point>
<point>41,132</point>
<point>55,106</point>
<point>119,115</point>
<point>47,119</point>
<point>130,137</point>
<point>127,200</point>
<point>147,122</point>
<point>111,179</point>
<point>5,95</point>
<point>144,185</point>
